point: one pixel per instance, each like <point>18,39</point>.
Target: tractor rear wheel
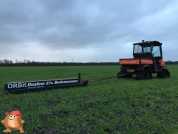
<point>146,74</point>
<point>159,74</point>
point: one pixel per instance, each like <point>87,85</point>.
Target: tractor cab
<point>148,49</point>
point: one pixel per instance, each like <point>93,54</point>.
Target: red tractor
<point>147,60</point>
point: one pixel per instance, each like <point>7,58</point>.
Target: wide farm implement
<point>147,59</point>
<point>15,87</point>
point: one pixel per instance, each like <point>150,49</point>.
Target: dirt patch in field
<point>52,102</point>
<point>58,113</point>
<point>45,130</point>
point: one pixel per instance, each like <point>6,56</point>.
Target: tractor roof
<point>148,43</point>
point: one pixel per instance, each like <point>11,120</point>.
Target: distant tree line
<point>25,62</point>
<point>7,62</point>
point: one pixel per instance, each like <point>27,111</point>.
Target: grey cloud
<point>59,24</point>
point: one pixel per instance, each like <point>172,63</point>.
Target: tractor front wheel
<point>163,74</point>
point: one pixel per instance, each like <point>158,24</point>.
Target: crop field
<point>118,106</point>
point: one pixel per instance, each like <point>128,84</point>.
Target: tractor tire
<point>163,74</point>
<point>146,74</point>
<point>158,75</point>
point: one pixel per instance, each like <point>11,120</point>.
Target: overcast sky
<point>85,30</point>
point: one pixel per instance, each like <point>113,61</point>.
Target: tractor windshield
<point>156,51</point>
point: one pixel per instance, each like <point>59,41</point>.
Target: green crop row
<point>106,106</point>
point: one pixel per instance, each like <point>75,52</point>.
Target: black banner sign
<point>44,84</point>
<point>40,84</point>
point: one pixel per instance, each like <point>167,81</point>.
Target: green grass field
<point>109,106</point>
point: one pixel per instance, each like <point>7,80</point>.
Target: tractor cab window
<point>156,51</point>
<point>140,49</point>
<point>146,49</point>
<point>137,49</point>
